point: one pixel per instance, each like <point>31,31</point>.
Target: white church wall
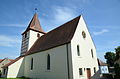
<point>16,69</point>
<point>32,38</point>
<point>58,64</point>
<point>85,60</point>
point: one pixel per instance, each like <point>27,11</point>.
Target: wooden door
<point>88,73</point>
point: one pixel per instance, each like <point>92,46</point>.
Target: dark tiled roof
<point>34,25</point>
<point>56,37</point>
<point>101,63</point>
<point>12,61</point>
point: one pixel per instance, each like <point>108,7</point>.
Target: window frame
<point>78,50</point>
<point>48,61</point>
<point>80,71</point>
<point>94,69</point>
<point>31,64</point>
<point>92,53</point>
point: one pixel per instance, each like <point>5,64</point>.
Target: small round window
<point>83,34</point>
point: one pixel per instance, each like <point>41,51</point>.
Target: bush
<point>108,76</point>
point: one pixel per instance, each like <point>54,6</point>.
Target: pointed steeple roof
<point>34,25</point>
<point>58,36</point>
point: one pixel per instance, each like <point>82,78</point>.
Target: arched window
<point>78,50</point>
<point>31,64</point>
<point>48,62</point>
<point>92,53</point>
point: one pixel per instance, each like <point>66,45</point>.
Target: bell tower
<point>31,34</point>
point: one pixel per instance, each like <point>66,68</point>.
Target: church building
<point>66,52</point>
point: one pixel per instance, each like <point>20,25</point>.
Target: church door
<point>88,73</point>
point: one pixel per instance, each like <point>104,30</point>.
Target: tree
<point>110,57</point>
<point>117,71</point>
<point>117,50</point>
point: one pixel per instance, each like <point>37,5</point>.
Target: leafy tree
<point>110,57</point>
<point>117,50</point>
<point>117,71</point>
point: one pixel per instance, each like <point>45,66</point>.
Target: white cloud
<point>60,15</point>
<point>13,25</point>
<point>63,14</point>
<point>101,32</point>
<point>7,55</point>
<point>8,41</point>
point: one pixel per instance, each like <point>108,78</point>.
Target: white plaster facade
<point>85,60</point>
<point>29,40</point>
<point>64,61</point>
<point>16,69</point>
<point>58,66</point>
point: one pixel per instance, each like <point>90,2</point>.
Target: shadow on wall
<point>21,69</point>
<point>96,75</point>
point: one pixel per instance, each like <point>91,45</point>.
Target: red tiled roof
<point>34,25</point>
<point>4,59</point>
<point>101,63</point>
<point>1,60</point>
<point>56,37</point>
<point>12,61</point>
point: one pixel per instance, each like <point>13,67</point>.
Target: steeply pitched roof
<point>56,37</point>
<point>12,61</point>
<point>101,63</point>
<point>34,25</point>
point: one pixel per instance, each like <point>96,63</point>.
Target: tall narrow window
<point>80,71</point>
<point>4,71</point>
<point>48,62</point>
<point>92,53</point>
<point>31,64</point>
<point>94,70</point>
<point>25,35</point>
<point>78,50</point>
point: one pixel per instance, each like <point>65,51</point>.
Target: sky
<point>101,16</point>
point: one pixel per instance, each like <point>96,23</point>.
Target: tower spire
<point>34,25</point>
<point>31,34</point>
<point>36,10</point>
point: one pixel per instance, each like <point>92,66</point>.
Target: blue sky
<point>102,18</point>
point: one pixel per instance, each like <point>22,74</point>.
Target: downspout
<point>68,61</point>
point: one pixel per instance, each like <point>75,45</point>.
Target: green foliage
<point>108,76</point>
<point>117,50</point>
<point>117,71</point>
<point>110,57</point>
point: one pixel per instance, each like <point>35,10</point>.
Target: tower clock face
<point>83,34</point>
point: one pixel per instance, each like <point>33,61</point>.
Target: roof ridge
<point>52,39</point>
<point>34,25</point>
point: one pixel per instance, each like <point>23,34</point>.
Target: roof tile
<point>56,37</point>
